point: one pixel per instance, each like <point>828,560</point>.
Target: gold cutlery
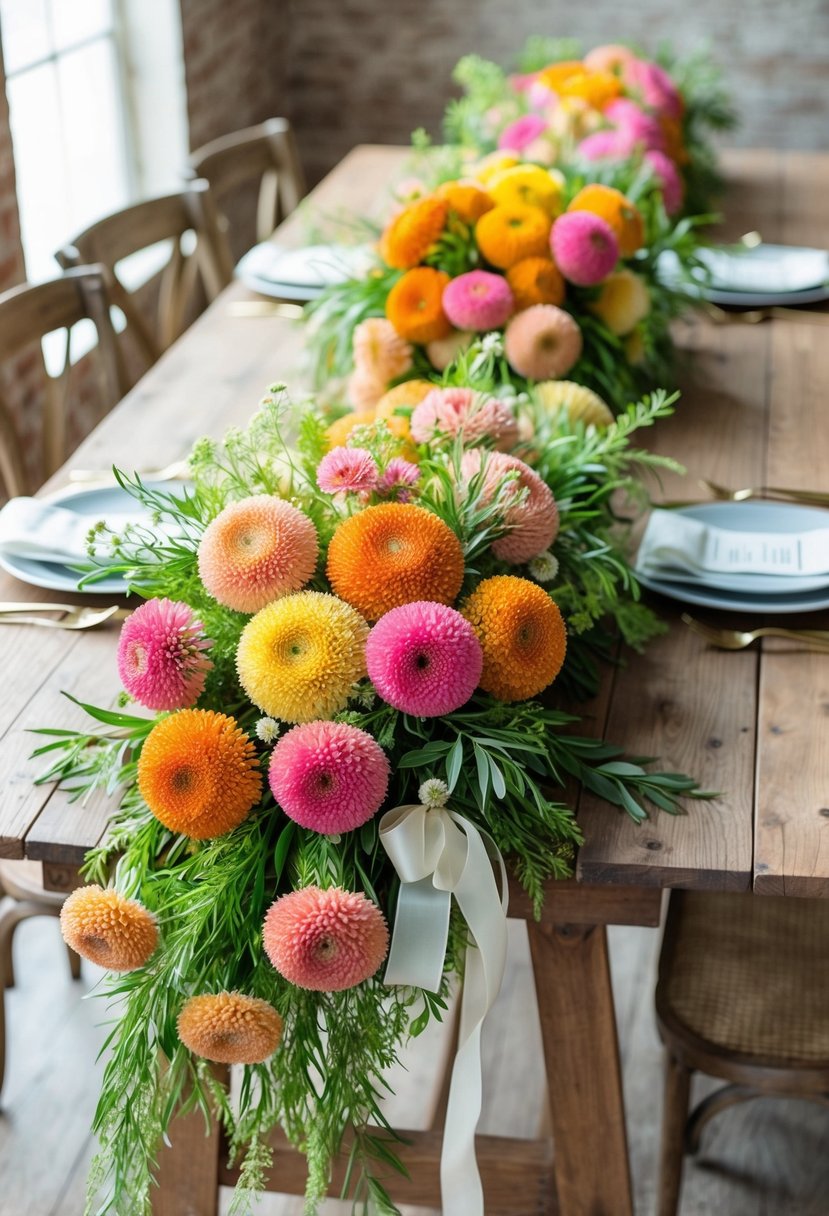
<point>264,308</point>
<point>179,470</point>
<point>737,639</point>
<point>724,494</point>
<point>70,616</point>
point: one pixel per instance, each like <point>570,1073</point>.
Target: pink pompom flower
<point>325,940</point>
<point>634,127</point>
<point>161,657</point>
<point>655,87</point>
<point>328,776</point>
<point>398,477</point>
<point>347,471</point>
<point>517,135</point>
<point>603,145</point>
<point>532,521</point>
<point>542,342</point>
<point>448,412</point>
<point>670,181</point>
<point>424,659</point>
<point>257,550</point>
<point>478,300</point>
<point>584,246</point>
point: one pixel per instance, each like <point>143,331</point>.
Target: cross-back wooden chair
<point>27,314</point>
<point>266,154</point>
<point>142,225</point>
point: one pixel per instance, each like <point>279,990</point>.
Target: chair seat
<point>23,880</point>
<point>748,976</point>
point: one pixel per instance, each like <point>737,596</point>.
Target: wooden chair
<point>266,154</point>
<point>22,896</point>
<point>743,994</point>
<point>138,227</point>
<point>27,314</point>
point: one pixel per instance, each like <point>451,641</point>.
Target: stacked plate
<point>762,276</point>
<point>301,274</point>
<point>752,556</point>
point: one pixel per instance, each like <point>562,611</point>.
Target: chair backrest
<point>148,223</point>
<point>266,153</point>
<point>27,314</point>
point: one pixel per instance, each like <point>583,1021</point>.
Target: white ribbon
<point>437,854</point>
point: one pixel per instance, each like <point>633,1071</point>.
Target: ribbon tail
<point>421,933</point>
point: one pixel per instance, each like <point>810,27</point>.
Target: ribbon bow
<point>437,853</point>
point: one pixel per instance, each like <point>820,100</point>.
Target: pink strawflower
<point>447,412</point>
<point>257,550</point>
<point>516,136</point>
<point>603,145</point>
<point>655,87</point>
<point>634,127</point>
<point>379,351</point>
<point>398,477</point>
<point>542,342</point>
<point>532,521</point>
<point>325,940</point>
<point>347,470</point>
<point>161,657</point>
<point>328,776</point>
<point>365,388</point>
<point>424,659</point>
<point>670,181</point>
<point>478,300</point>
<point>584,246</point>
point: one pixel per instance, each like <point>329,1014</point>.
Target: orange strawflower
<point>557,74</point>
<point>413,231</point>
<point>507,235</point>
<point>467,199</point>
<point>535,281</point>
<point>108,929</point>
<point>615,209</point>
<point>414,305</point>
<point>230,1028</point>
<point>339,430</point>
<point>198,773</point>
<point>521,633</point>
<point>394,554</point>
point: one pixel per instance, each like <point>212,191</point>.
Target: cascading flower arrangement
<point>338,639</point>
<point>608,111</point>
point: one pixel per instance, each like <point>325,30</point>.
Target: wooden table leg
<point>188,1168</point>
<point>578,1025</point>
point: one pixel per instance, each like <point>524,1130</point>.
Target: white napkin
<point>675,546</point>
<point>38,530</point>
<point>314,266</point>
<point>775,268</point>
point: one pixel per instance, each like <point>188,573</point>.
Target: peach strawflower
<point>535,281</point>
<point>532,523</point>
<point>198,773</point>
<point>542,342</point>
<point>415,305</point>
<point>299,658</point>
<point>393,554</point>
<point>506,235</point>
<point>108,929</point>
<point>256,550</point>
<point>580,404</point>
<point>230,1028</point>
<point>365,388</point>
<point>378,348</point>
<point>448,412</point>
<point>161,657</point>
<point>444,351</point>
<point>413,231</point>
<point>522,636</point>
<point>325,940</point>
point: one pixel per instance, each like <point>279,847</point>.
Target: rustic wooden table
<point>751,724</point>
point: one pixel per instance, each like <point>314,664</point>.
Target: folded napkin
<point>42,531</point>
<point>315,266</point>
<point>775,268</point>
<point>675,546</point>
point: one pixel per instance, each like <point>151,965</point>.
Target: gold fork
<point>179,470</point>
<point>724,494</point>
<point>70,616</point>
<point>737,639</point>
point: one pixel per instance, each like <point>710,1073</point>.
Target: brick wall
<point>373,70</point>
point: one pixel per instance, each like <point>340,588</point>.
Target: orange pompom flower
<point>528,186</point>
<point>230,1028</point>
<point>413,231</point>
<point>339,430</point>
<point>467,199</point>
<point>402,397</point>
<point>597,89</point>
<point>394,554</point>
<point>415,305</point>
<point>506,235</point>
<point>557,74</point>
<point>103,926</point>
<point>536,281</point>
<point>616,210</point>
<point>521,633</point>
<point>198,773</point>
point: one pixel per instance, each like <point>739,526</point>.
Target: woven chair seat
<point>749,976</point>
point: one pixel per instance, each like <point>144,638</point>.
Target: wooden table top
<point>750,724</point>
